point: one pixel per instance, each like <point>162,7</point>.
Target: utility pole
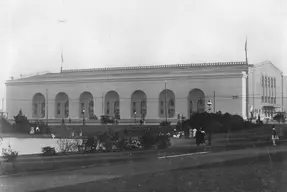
<point>102,103</point>
<point>282,82</point>
<point>214,101</point>
<point>47,106</point>
<point>165,100</point>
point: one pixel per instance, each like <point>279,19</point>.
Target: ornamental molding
<point>155,67</point>
<point>128,79</point>
<point>80,77</point>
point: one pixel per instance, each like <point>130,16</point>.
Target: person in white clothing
<point>194,132</point>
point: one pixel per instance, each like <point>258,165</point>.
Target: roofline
<point>268,62</point>
<point>155,67</point>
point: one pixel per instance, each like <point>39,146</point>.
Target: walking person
<point>274,135</point>
<point>203,134</point>
<point>198,137</point>
<point>194,132</point>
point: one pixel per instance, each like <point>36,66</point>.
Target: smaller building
<point>266,90</point>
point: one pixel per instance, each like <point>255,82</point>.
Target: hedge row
<point>217,122</point>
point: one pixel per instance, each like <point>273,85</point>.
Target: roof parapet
<point>155,67</point>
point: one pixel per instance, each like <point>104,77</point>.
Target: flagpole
<point>247,79</point>
<point>62,60</point>
<point>246,59</point>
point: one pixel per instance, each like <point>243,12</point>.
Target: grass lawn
<point>247,175</point>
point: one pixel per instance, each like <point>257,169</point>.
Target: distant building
<point>152,92</point>
<point>266,89</point>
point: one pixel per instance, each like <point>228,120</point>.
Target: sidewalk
<point>64,178</point>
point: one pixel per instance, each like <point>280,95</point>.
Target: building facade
<point>150,92</point>
<point>266,89</point>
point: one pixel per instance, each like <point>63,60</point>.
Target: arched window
<point>138,104</point>
<point>196,101</point>
<point>112,103</point>
<point>166,104</point>
<point>62,105</point>
<point>38,106</point>
<point>87,105</point>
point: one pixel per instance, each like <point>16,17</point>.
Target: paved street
<point>63,178</point>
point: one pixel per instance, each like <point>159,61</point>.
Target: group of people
<point>199,136</point>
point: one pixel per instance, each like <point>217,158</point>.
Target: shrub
<point>215,127</point>
<point>9,154</point>
<point>21,123</point>
<point>147,140</point>
<point>48,151</point>
<point>280,117</point>
<point>110,140</point>
<point>216,122</point>
<point>165,123</point>
<point>67,145</point>
<point>133,143</point>
<point>93,117</point>
<point>90,144</point>
<point>162,141</point>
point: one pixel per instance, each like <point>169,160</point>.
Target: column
<point>152,108</point>
<point>244,99</point>
<point>99,105</point>
<point>74,109</point>
<point>125,108</point>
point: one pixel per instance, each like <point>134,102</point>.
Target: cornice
<point>131,79</point>
<point>206,71</point>
<point>155,67</point>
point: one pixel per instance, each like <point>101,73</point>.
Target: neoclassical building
<point>152,92</point>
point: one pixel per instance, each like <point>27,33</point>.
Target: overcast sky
<point>137,32</point>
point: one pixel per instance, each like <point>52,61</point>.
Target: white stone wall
<point>227,82</point>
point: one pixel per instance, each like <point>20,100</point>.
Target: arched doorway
<point>196,101</point>
<point>38,106</point>
<point>138,104</point>
<point>112,104</point>
<point>166,104</point>
<point>87,104</point>
<point>62,105</point>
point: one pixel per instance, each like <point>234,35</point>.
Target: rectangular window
<point>269,100</point>
<point>262,99</point>
<point>161,111</point>
<point>265,99</point>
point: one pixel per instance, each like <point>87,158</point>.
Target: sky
<point>114,33</point>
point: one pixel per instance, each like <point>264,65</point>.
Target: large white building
<point>155,92</point>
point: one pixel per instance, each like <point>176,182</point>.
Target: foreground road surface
<point>64,178</point>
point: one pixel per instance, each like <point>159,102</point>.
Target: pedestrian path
<point>72,177</point>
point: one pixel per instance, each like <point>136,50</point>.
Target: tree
<point>280,117</point>
<point>22,123</point>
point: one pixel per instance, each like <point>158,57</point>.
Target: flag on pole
<point>62,57</point>
<point>246,51</point>
<point>246,44</point>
